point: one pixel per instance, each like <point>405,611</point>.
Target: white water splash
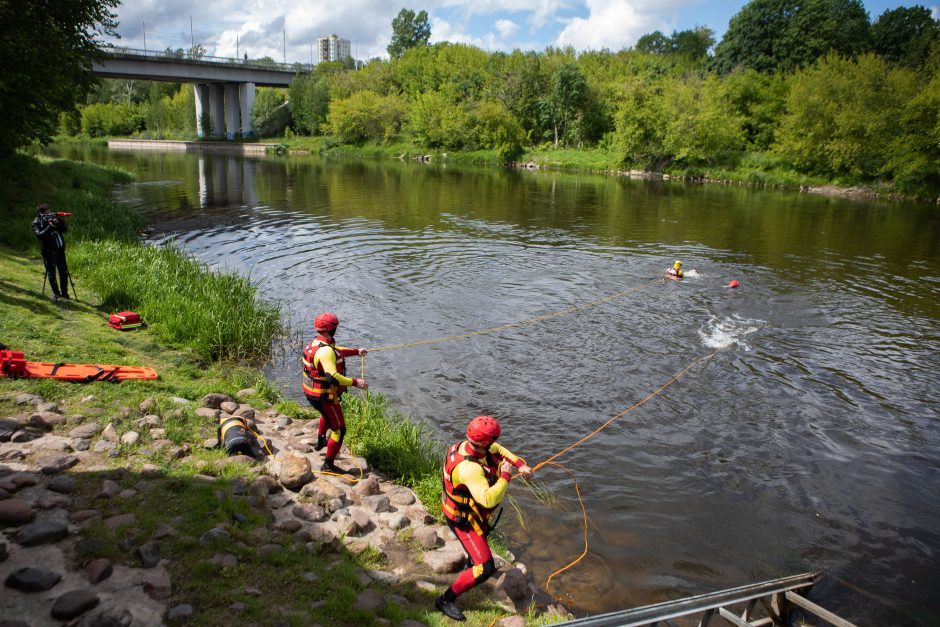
<point>693,273</point>
<point>724,331</point>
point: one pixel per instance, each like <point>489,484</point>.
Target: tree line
<point>814,87</point>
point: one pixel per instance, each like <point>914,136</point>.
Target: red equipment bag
<point>125,321</point>
<point>12,364</point>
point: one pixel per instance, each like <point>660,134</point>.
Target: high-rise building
<point>332,48</point>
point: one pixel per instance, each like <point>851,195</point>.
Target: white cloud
<point>506,28</point>
<point>613,24</point>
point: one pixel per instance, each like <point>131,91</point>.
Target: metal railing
<point>180,55</point>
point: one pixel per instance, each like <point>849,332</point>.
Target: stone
<point>41,407</point>
<point>7,428</point>
<point>46,420</point>
<point>104,446</point>
<point>214,535</point>
<point>289,526</point>
<point>150,471</point>
<point>179,401</point>
<point>73,603</point>
<point>377,504</point>
<point>224,560</point>
<point>402,498</point>
<point>443,562</point>
<point>109,489</point>
<point>23,480</point>
<point>110,434</point>
<point>121,520</point>
<point>126,494</point>
<point>82,515</point>
<point>54,501</point>
<point>264,485</point>
<point>28,399</point>
<point>81,444</point>
<point>147,405</point>
<point>157,586</point>
<point>215,400</point>
<point>163,530</point>
<point>130,438</point>
<point>229,407</point>
<point>514,583</point>
<point>394,521</point>
<point>63,484</point>
<point>310,513</point>
<point>26,435</point>
<point>245,392</point>
<point>99,570</point>
<point>95,412</point>
<point>89,547</point>
<point>208,412</point>
<point>295,473</point>
<point>427,538</point>
<point>511,621</point>
<point>370,601</point>
<point>32,579</point>
<point>54,464</point>
<point>85,431</point>
<point>383,577</point>
<point>15,512</point>
<point>151,420</point>
<point>42,532</point>
<point>179,613</point>
<point>238,607</point>
<point>149,554</point>
<point>266,550</point>
<point>368,487</point>
<point>321,491</point>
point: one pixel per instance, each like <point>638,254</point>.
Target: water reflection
<point>809,441</point>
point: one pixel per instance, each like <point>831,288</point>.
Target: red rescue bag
<point>12,364</point>
<point>125,321</point>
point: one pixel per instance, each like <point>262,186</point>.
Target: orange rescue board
<point>13,365</point>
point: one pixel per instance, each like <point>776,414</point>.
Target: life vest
<point>457,503</point>
<point>317,384</point>
<point>236,437</point>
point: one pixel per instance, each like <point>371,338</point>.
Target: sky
<point>286,30</point>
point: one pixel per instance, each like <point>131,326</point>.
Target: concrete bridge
<point>225,88</point>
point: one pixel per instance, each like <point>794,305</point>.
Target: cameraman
<point>49,227</point>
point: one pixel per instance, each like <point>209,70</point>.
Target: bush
<point>366,116</point>
<point>437,123</point>
<point>101,120</point>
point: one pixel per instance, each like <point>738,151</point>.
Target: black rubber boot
<point>328,465</point>
<point>321,442</point>
<point>449,608</point>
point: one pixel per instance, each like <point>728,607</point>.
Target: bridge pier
<point>228,107</point>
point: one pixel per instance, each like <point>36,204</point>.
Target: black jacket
<point>49,230</point>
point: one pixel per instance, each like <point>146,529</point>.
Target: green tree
<point>408,31</point>
<point>309,103</point>
<point>437,122</point>
<point>46,55</point>
<point>492,126</point>
<point>760,101</point>
<point>268,102</point>
<point>366,116</point>
<point>654,43</point>
<point>769,35</point>
<point>567,98</point>
<point>905,35</point>
<point>842,116</point>
<point>694,43</point>
<point>915,154</point>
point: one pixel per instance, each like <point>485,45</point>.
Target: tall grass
<point>395,445</point>
<point>216,313</point>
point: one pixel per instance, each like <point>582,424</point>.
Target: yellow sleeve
<point>327,358</point>
<point>471,475</point>
<point>508,455</point>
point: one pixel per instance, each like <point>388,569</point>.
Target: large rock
<point>32,579</point>
<point>427,538</point>
<point>295,473</point>
<point>85,431</point>
<point>63,484</point>
<point>370,601</point>
<point>15,512</point>
<point>514,583</point>
<point>321,492</point>
<point>28,399</point>
<point>99,570</point>
<point>443,562</point>
<point>7,428</point>
<point>47,420</point>
<point>54,464</point>
<point>110,434</point>
<point>157,585</point>
<point>42,532</point>
<point>208,412</point>
<point>73,603</point>
<point>214,400</point>
<point>378,503</point>
<point>308,512</point>
<point>229,407</point>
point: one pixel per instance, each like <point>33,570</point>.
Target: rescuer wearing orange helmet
<point>476,475</point>
<point>325,381</point>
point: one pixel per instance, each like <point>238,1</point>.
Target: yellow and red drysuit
<point>324,382</point>
<point>473,487</point>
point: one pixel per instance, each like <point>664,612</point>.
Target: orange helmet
<point>483,429</point>
<point>326,322</point>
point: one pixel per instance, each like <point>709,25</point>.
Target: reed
<point>395,445</point>
<point>183,302</point>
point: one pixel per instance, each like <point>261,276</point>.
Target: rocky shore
<point>83,540</point>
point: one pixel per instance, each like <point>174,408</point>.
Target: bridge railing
<point>119,52</point>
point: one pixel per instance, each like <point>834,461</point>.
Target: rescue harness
<point>317,384</point>
<point>457,503</point>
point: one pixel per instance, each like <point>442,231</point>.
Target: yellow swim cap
<point>677,264</point>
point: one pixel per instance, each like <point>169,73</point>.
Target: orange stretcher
<point>13,365</point>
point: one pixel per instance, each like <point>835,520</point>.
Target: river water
<point>809,440</point>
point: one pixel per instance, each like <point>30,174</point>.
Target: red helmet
<point>484,429</point>
<point>326,322</point>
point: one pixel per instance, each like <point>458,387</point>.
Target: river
<point>809,439</point>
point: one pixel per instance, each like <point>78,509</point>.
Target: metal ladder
<point>764,604</point>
